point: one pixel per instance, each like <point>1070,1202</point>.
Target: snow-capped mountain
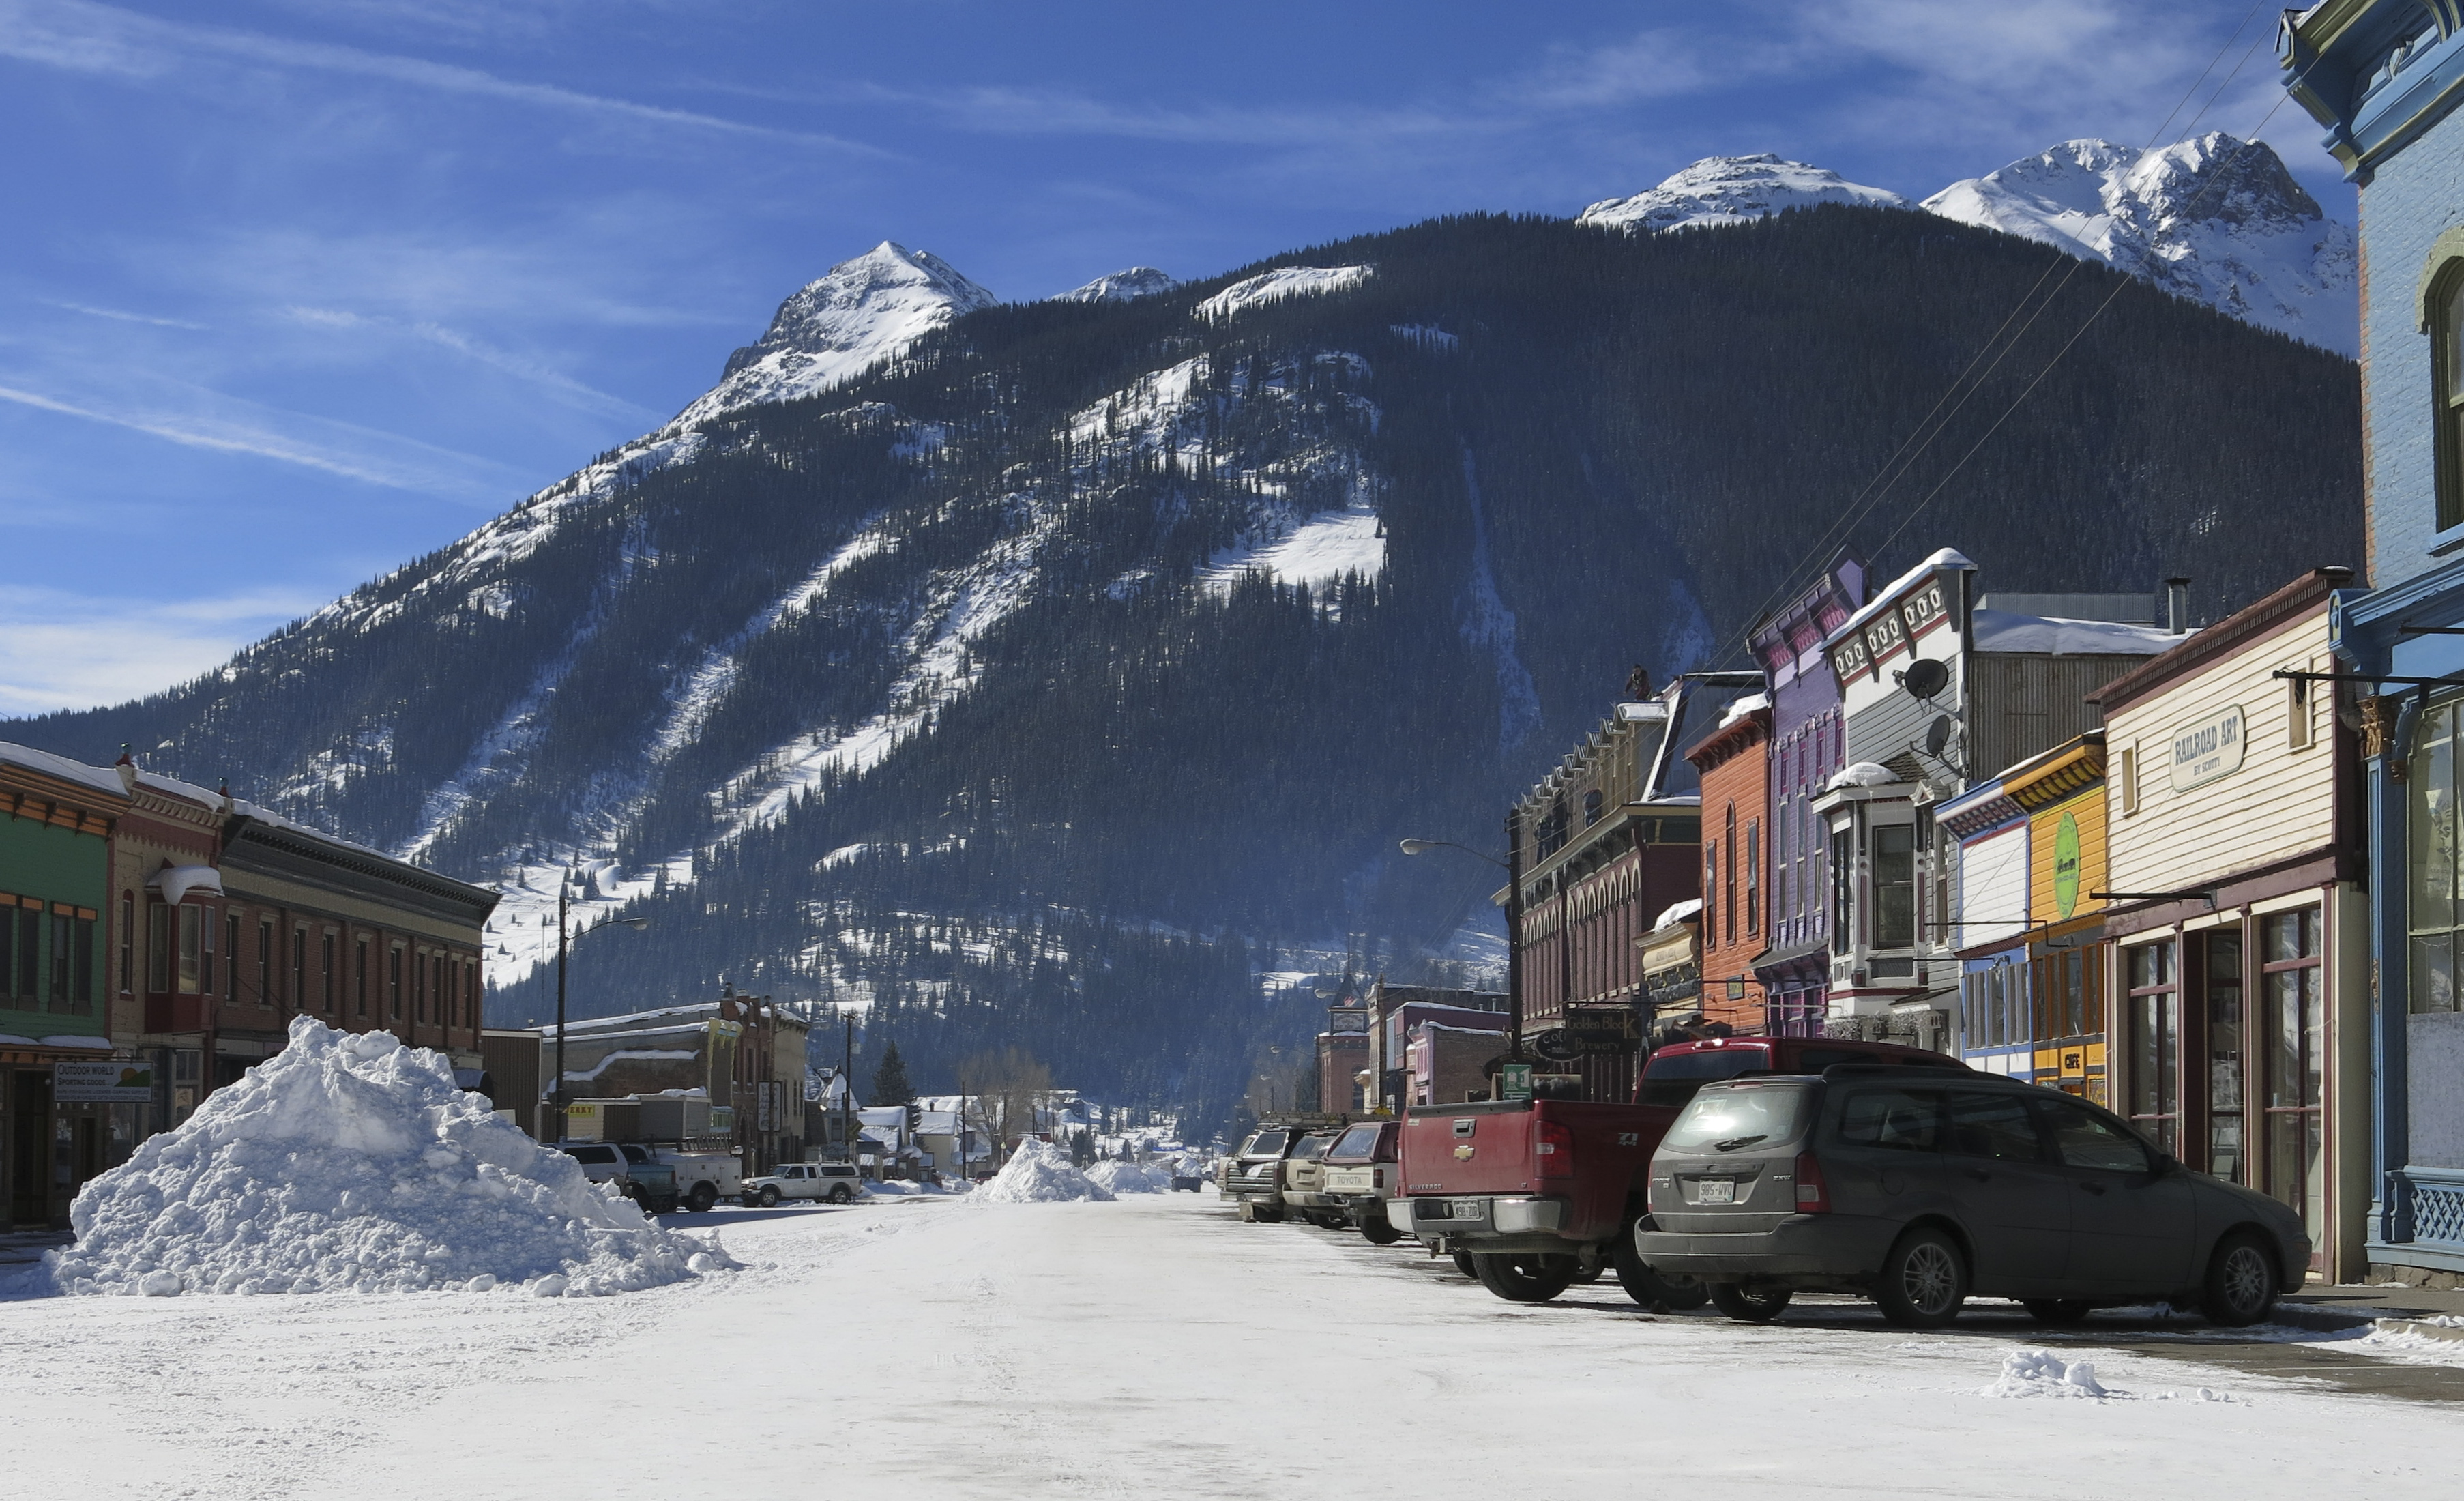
<point>1139,281</point>
<point>1731,189</point>
<point>858,314</point>
<point>2215,219</point>
<point>1012,690</point>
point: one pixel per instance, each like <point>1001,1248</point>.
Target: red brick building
<point>1734,764</point>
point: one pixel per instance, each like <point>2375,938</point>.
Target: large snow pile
<point>349,1163</point>
<point>1131,1177</point>
<point>1040,1173</point>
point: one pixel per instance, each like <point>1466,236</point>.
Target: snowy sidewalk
<point>1152,1347</point>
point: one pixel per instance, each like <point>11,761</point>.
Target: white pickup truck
<point>836,1182</point>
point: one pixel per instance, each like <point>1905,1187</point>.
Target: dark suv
<point>1918,1188</point>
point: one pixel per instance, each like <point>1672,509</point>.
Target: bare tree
<point>1011,1084</point>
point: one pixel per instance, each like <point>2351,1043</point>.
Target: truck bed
<point>1488,1149</point>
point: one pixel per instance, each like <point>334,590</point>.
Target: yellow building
<point>2064,794</point>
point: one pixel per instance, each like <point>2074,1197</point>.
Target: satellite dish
<point>1938,735</point>
<point>1925,677</point>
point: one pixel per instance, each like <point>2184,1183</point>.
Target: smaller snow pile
<point>2041,1373</point>
<point>1042,1172</point>
<point>349,1163</point>
<point>1131,1177</point>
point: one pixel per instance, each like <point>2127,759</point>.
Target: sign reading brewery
<point>2206,749</point>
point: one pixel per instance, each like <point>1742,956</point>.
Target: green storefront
<point>56,818</point>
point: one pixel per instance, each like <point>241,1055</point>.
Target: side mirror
<point>2165,1165</point>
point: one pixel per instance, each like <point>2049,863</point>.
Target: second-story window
<point>1895,887</point>
<point>1753,876</point>
<point>1710,893</point>
<point>2447,374</point>
<point>1590,807</point>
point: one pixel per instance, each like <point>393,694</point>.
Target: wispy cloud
<point>86,37</point>
<point>522,368</point>
<point>118,316</point>
<point>60,650</point>
<point>412,466</point>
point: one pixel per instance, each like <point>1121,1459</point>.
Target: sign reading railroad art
<point>2206,749</point>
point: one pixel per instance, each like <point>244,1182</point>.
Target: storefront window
<point>2155,1040</point>
<point>2224,1054</point>
<point>2296,1020</point>
<point>2432,850</point>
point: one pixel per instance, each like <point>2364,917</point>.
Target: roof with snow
<point>2000,630</point>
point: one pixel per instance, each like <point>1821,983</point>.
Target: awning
<point>177,881</point>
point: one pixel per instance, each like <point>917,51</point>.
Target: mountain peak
<point>2213,218</point>
<point>1731,189</point>
<point>1139,281</point>
<point>857,314</point>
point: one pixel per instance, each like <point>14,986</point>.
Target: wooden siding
<point>2086,809</point>
<point>1993,888</point>
<point>2023,704</point>
<point>2281,802</point>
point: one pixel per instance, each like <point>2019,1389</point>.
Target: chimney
<point>127,766</point>
<point>2177,605</point>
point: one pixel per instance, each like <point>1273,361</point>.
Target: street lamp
<point>1513,866</point>
<point>564,940</point>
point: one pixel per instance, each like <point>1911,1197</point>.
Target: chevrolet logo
<point>1462,1154</point>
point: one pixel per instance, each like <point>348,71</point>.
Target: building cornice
<point>2250,624</point>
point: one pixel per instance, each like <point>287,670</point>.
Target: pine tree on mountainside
<point>890,1086</point>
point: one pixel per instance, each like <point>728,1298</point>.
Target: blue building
<point>2386,77</point>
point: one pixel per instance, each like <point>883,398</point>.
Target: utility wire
<point>1927,431</point>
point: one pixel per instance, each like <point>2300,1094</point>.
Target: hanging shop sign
<point>2208,749</point>
<point>2066,864</point>
<point>104,1083</point>
<point>1596,1029</point>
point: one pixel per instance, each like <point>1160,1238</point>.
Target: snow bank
<point>349,1163</point>
<point>1040,1173</point>
<point>2041,1373</point>
<point>1131,1177</point>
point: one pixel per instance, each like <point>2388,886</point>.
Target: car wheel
<point>2056,1311</point>
<point>2240,1285</point>
<point>839,1194</point>
<point>1747,1306</point>
<point>1923,1280</point>
<point>768,1198</point>
<point>1270,1214</point>
<point>1651,1289</point>
<point>704,1195</point>
<point>1525,1276</point>
<point>1376,1231</point>
<point>1463,1265</point>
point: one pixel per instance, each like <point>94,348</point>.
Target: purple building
<point>1807,745</point>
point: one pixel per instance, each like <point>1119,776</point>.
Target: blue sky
<point>292,292</point>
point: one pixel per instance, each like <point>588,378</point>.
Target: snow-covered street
<point>1150,1347</point>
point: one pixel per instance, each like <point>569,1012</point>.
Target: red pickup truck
<point>1540,1193</point>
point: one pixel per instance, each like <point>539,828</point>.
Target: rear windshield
<point>1359,1143</point>
<point>1737,1117</point>
<point>1310,1149</point>
<point>1672,1078</point>
<point>1266,1143</point>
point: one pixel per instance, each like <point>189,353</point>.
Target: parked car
<point>1919,1190</point>
<point>1541,1193</point>
<point>1253,1176</point>
<point>638,1175</point>
<point>835,1182</point>
<point>1362,1169</point>
<point>703,1177</point>
<point>1304,1182</point>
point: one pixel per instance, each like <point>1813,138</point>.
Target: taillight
<point>1556,1150</point>
<point>1813,1194</point>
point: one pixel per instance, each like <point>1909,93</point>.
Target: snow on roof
<point>1690,907</point>
<point>99,779</point>
<point>1290,281</point>
<point>1946,558</point>
<point>1862,774</point>
<point>2000,630</point>
<point>1743,707</point>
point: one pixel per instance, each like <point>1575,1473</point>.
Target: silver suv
<point>1918,1190</point>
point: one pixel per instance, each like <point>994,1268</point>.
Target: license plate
<point>1716,1191</point>
<point>1466,1209</point>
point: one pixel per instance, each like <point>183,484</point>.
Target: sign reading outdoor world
<point>2206,749</point>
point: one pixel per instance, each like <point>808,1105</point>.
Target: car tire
<point>1268,1214</point>
<point>1748,1307</point>
<point>1648,1288</point>
<point>1923,1280</point>
<point>768,1198</point>
<point>2057,1311</point>
<point>1465,1264</point>
<point>704,1195</point>
<point>1376,1230</point>
<point>841,1194</point>
<point>2239,1289</point>
<point>1525,1277</point>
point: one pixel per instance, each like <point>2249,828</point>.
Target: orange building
<point>1734,762</point>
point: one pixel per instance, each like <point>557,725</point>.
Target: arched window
<point>1590,809</point>
<point>2447,378</point>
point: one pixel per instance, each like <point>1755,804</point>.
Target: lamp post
<point>1513,866</point>
<point>565,939</point>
